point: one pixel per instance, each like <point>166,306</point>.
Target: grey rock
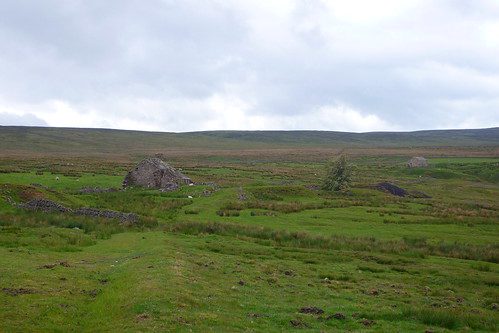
<point>49,206</point>
<point>241,194</point>
<point>157,174</point>
<point>417,162</point>
<point>109,214</point>
<point>44,206</point>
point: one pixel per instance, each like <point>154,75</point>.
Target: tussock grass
<point>450,318</point>
<point>289,207</point>
<point>102,228</point>
<point>56,239</point>
<point>138,202</point>
<point>277,193</point>
<point>408,246</point>
<point>371,269</point>
<point>481,266</point>
<point>191,211</point>
<point>227,275</point>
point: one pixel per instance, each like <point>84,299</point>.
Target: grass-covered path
<point>159,281</point>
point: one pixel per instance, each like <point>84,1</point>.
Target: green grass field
<point>364,261</point>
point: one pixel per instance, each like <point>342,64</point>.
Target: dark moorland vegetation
<point>256,244</point>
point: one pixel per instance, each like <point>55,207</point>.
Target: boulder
<point>417,162</point>
<point>157,174</point>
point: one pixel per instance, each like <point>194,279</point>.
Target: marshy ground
<point>256,248</point>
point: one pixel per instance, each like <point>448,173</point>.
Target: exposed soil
<point>312,310</point>
<point>17,291</point>
<point>400,192</point>
<point>313,187</point>
<point>337,315</point>
<point>30,193</point>
<point>367,322</point>
<point>92,293</point>
<point>298,323</point>
<point>142,317</point>
<point>392,189</point>
<point>256,315</point>
<point>50,266</point>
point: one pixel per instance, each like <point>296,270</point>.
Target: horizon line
<point>237,130</point>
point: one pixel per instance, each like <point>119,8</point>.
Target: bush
<point>338,175</point>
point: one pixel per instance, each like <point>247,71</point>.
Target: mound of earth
<point>391,188</point>
<point>155,173</point>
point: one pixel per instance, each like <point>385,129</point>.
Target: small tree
<point>338,175</point>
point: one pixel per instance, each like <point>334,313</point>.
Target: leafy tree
<point>338,175</point>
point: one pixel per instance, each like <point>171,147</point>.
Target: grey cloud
<point>416,69</point>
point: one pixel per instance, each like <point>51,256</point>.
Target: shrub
<point>338,175</point>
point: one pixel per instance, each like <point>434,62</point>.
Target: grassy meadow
<point>255,247</point>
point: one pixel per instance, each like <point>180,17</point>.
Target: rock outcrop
<point>417,162</point>
<point>157,174</point>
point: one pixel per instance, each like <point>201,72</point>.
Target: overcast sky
<point>182,65</point>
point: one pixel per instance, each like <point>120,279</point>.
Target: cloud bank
<point>207,65</point>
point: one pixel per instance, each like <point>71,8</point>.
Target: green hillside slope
<point>53,140</point>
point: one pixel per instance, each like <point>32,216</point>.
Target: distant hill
<point>464,137</point>
<point>77,140</point>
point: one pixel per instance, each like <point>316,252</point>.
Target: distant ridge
<point>81,140</point>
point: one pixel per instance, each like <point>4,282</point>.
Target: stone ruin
<point>48,206</point>
<point>417,162</point>
<point>156,174</point>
